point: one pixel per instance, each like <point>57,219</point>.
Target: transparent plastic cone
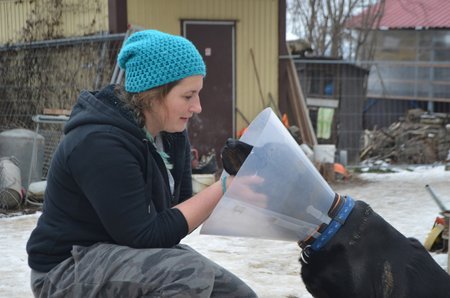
<point>277,194</point>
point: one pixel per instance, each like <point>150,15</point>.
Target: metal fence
<point>49,75</point>
<point>388,110</point>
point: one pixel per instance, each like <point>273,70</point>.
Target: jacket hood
<point>102,107</point>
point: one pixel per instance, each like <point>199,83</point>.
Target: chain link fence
<point>395,111</point>
<point>48,76</point>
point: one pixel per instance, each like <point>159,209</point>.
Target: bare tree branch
<point>324,25</point>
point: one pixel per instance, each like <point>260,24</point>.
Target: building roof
<point>407,14</point>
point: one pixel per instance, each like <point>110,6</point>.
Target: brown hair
<point>139,102</point>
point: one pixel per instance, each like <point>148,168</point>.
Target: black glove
<point>234,154</point>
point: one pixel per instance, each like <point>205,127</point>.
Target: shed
<point>338,87</point>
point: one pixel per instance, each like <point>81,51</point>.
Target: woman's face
<point>173,112</point>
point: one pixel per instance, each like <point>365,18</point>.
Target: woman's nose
<point>196,107</point>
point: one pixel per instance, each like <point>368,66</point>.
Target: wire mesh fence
<point>49,75</point>
<point>379,110</point>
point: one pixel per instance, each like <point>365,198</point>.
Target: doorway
<point>216,43</point>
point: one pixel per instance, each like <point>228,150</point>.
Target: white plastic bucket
<point>28,148</point>
<point>308,151</point>
<point>10,183</point>
<point>201,181</point>
<point>324,153</point>
<point>277,194</point>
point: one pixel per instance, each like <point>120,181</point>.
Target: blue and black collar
<point>340,210</point>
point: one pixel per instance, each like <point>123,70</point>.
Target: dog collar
<point>335,224</point>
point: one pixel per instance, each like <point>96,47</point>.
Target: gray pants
<point>107,270</point>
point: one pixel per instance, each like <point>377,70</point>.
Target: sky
<point>270,267</point>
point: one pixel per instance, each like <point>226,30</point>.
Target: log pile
<point>419,138</point>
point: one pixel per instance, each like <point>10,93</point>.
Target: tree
<point>327,25</point>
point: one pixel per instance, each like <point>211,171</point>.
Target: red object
<point>439,220</point>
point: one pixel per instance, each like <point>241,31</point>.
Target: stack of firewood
<point>419,138</point>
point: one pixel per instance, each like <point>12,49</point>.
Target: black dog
<point>368,257</point>
<point>364,256</point>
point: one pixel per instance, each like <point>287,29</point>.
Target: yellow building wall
<point>22,21</point>
<point>256,28</point>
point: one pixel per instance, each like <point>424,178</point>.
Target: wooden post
<point>299,108</point>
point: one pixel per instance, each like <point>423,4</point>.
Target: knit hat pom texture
<point>152,58</point>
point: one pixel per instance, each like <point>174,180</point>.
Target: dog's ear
<point>233,155</point>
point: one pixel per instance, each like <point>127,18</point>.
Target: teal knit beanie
<point>152,58</point>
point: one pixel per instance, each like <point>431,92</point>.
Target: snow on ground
<point>271,268</point>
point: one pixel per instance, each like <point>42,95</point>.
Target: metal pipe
<point>63,41</point>
<point>436,198</point>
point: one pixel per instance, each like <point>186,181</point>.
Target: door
<point>215,42</point>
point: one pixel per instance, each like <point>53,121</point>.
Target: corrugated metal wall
<point>71,18</point>
<point>83,17</point>
<point>256,28</point>
<point>13,18</point>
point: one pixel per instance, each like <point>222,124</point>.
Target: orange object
<point>285,120</point>
<point>340,169</point>
<point>241,132</point>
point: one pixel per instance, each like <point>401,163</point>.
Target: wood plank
<point>298,103</point>
<point>48,111</point>
<point>399,97</point>
<point>322,102</point>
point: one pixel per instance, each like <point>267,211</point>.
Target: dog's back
<point>369,258</point>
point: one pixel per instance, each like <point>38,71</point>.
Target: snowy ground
<point>270,267</point>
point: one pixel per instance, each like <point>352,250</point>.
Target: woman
<point>118,198</point>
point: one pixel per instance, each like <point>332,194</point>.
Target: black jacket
<point>107,183</point>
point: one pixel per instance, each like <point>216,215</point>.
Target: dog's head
<point>234,154</point>
<point>329,271</point>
